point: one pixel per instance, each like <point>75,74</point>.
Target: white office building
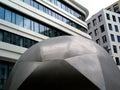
<point>104,28</point>
<point>26,22</point>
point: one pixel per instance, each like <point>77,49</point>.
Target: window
<point>89,25</point>
<point>116,28</point>
<point>100,18</point>
<point>98,41</point>
<point>108,16</point>
<point>110,26</point>
<point>13,17</point>
<point>109,9</point>
<point>119,19</point>
<point>117,60</point>
<point>94,22</point>
<point>91,34</point>
<point>102,28</point>
<point>114,18</point>
<point>118,38</point>
<point>112,37</point>
<point>8,15</point>
<point>27,23</point>
<point>36,27</point>
<point>1,35</point>
<point>2,12</point>
<point>96,32</point>
<point>19,20</point>
<point>104,39</point>
<point>27,1</point>
<point>116,8</point>
<point>114,49</point>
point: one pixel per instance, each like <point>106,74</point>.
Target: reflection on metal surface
<point>65,63</point>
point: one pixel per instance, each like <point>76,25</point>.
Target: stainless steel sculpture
<point>65,63</point>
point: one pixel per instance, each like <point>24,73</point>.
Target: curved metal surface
<point>65,63</point>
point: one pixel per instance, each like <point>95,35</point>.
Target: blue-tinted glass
<point>36,4</point>
<point>26,23</point>
<point>59,4</point>
<point>13,17</point>
<point>116,28</point>
<point>1,35</point>
<point>8,15</point>
<point>42,29</point>
<point>2,12</point>
<point>32,26</point>
<point>36,27</point>
<point>112,37</point>
<point>118,38</point>
<point>41,7</point>
<point>110,26</point>
<point>19,20</point>
<point>27,1</point>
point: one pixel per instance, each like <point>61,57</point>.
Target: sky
<point>95,6</point>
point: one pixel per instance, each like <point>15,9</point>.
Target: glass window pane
<point>32,25</point>
<point>40,7</point>
<point>2,13</point>
<point>19,20</point>
<point>112,37</point>
<point>21,41</point>
<point>27,1</point>
<point>116,28</point>
<point>42,29</point>
<point>36,27</point>
<point>7,37</point>
<point>13,17</point>
<point>1,35</point>
<point>8,15</point>
<point>26,23</point>
<point>36,4</point>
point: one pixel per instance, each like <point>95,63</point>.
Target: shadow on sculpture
<point>65,63</point>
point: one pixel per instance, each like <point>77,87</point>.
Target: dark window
<point>112,37</point>
<point>15,39</point>
<point>114,18</point>
<point>114,49</point>
<point>104,39</point>
<point>96,32</point>
<point>119,19</point>
<point>117,60</point>
<point>116,8</point>
<point>94,22</point>
<point>100,18</point>
<point>108,16</point>
<point>2,13</point>
<point>118,38</point>
<point>91,34</point>
<point>110,26</point>
<point>1,35</point>
<point>98,41</point>
<point>102,28</point>
<point>116,28</point>
<point>89,25</point>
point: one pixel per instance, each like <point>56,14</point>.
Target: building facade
<point>104,28</point>
<point>115,7</point>
<point>26,22</point>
